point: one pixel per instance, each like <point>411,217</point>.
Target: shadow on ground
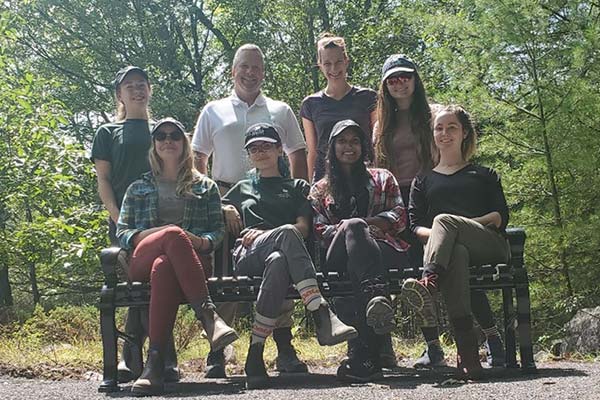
<point>399,378</point>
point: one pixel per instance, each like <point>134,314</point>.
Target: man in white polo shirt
<point>220,132</point>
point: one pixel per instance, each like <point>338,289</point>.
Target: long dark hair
<point>338,184</point>
<point>420,115</point>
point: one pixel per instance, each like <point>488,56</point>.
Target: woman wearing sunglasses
<point>359,217</point>
<point>403,144</point>
<point>276,217</point>
<point>168,217</point>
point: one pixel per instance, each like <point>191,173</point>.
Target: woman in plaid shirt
<point>167,217</point>
<point>359,216</point>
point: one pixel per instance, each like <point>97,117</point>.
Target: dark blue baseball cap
<point>397,63</point>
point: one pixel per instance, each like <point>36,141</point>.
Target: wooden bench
<point>511,278</point>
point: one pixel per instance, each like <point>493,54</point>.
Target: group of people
<point>392,186</point>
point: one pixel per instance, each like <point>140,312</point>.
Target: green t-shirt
<point>125,145</point>
<point>271,202</point>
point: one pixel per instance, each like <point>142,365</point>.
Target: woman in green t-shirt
<point>276,215</point>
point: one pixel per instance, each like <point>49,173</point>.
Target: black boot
<point>151,381</point>
<point>420,294</point>
<point>379,310</point>
<point>131,365</point>
<point>330,330</point>
<point>287,360</point>
<point>215,365</point>
<point>172,374</point>
<point>219,334</point>
<point>256,373</point>
<point>360,366</point>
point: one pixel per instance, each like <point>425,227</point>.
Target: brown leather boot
<point>330,330</point>
<point>219,334</point>
<point>151,381</point>
<point>468,364</point>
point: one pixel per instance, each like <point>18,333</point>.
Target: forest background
<point>528,70</point>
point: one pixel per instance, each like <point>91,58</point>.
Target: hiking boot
<point>354,370</point>
<point>387,357</point>
<point>330,330</point>
<point>287,361</point>
<point>151,381</point>
<point>172,373</point>
<point>379,310</point>
<point>467,348</point>
<point>432,357</point>
<point>419,295</point>
<point>215,365</point>
<point>256,373</point>
<point>219,334</point>
<point>495,354</point>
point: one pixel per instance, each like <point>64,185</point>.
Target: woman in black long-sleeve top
<point>459,211</point>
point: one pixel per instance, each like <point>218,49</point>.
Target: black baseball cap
<point>261,132</point>
<point>341,126</point>
<point>125,70</point>
<point>168,120</point>
<point>397,63</point>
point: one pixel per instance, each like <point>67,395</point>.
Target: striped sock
<point>262,328</point>
<point>310,294</point>
<point>492,331</point>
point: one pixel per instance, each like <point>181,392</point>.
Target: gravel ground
<point>554,380</point>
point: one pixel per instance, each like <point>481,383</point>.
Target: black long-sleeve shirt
<point>470,192</point>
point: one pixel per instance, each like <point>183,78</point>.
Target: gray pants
<point>281,258</point>
<point>455,243</point>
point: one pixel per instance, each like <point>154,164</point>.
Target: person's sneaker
<point>495,353</point>
<point>432,357</point>
<point>358,371</point>
<point>418,294</point>
<point>215,365</point>
<point>380,315</point>
<point>288,361</point>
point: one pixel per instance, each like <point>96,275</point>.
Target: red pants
<point>169,262</point>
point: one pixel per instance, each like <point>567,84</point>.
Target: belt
<point>226,185</point>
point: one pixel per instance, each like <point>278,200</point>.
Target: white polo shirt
<point>223,123</point>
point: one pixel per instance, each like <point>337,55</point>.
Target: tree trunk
<point>6,298</point>
<point>558,220</point>
<point>32,270</point>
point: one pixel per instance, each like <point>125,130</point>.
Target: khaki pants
<point>455,243</point>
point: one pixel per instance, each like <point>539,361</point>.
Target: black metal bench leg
<point>108,330</point>
<point>509,328</point>
<point>524,326</point>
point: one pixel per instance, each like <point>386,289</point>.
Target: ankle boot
<point>172,374</point>
<point>379,311</point>
<point>152,380</point>
<point>219,334</point>
<point>215,365</point>
<point>256,373</point>
<point>420,294</point>
<point>467,347</point>
<point>330,330</point>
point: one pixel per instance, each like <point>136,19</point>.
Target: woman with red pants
<point>167,217</point>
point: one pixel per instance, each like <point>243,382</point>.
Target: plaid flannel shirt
<point>385,201</point>
<point>202,214</point>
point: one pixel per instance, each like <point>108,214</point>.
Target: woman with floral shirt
<point>359,216</point>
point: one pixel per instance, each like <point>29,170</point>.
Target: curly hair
<point>420,114</point>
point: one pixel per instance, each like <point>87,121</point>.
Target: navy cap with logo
<point>341,126</point>
<point>397,63</point>
<point>168,120</point>
<point>126,70</point>
<point>261,132</point>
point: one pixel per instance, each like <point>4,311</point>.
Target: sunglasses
<point>400,78</point>
<point>162,136</point>
<point>263,148</point>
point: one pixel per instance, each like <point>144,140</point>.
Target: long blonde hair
<point>187,174</point>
